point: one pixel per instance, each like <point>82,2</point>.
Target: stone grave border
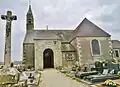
<point>77,79</point>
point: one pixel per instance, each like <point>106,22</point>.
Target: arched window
<point>95,47</point>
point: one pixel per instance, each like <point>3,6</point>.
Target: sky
<point>58,14</point>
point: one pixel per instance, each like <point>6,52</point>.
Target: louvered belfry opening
<point>48,58</point>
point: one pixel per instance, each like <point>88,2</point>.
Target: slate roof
<point>48,34</point>
<point>87,28</point>
<point>45,34</point>
<point>116,44</point>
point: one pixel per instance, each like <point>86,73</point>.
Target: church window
<point>116,53</point>
<point>95,47</point>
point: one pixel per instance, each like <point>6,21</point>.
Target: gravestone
<point>112,66</point>
<point>99,67</point>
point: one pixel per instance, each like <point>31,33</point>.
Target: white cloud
<point>58,14</point>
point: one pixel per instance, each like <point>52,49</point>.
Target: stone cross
<point>7,52</point>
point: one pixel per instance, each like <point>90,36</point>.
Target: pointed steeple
<point>30,19</point>
<point>29,10</point>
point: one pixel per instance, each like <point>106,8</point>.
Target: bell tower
<point>29,20</point>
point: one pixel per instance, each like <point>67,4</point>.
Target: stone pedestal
<point>9,76</point>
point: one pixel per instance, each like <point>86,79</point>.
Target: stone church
<point>86,44</point>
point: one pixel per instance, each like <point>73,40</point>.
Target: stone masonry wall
<point>84,51</point>
<point>41,45</point>
<point>68,59</point>
<point>28,54</point>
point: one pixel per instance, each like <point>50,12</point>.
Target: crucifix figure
<point>7,52</point>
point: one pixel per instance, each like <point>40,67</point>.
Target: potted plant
<point>110,83</point>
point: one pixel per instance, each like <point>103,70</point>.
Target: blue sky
<point>58,14</point>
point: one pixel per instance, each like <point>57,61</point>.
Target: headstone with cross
<point>7,54</point>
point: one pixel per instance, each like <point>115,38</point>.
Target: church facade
<point>53,48</point>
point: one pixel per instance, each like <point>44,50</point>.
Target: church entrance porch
<point>48,58</point>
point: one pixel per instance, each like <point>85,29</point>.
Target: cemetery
<point>12,77</point>
<point>99,74</point>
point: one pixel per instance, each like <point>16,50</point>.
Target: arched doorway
<point>48,58</point>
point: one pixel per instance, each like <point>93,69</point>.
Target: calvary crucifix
<point>7,54</point>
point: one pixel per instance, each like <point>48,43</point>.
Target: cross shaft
<point>7,54</point>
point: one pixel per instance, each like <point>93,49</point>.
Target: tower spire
<point>29,2</point>
<point>29,10</point>
<point>30,18</point>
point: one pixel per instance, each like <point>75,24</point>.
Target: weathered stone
<point>101,78</point>
<point>66,70</point>
<point>72,73</point>
<point>32,77</point>
<point>84,74</point>
<point>7,55</point>
<point>20,84</point>
<point>9,75</point>
<point>39,49</point>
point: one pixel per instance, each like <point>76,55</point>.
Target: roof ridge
<point>86,26</point>
<point>80,24</point>
<point>98,27</point>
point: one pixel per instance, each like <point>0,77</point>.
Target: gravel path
<point>53,78</point>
